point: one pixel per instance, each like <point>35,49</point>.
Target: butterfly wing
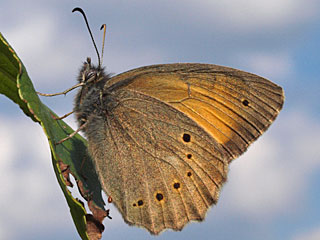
<point>233,106</point>
<point>168,135</point>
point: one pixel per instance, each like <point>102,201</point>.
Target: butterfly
<point>162,136</point>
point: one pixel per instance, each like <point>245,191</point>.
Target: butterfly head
<point>90,74</point>
<point>92,79</point>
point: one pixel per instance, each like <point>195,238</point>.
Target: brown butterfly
<point>162,136</point>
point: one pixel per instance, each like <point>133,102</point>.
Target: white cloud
<point>32,37</point>
<point>46,50</point>
<point>258,181</point>
<point>53,54</point>
<point>314,234</point>
<point>272,65</point>
<point>253,14</point>
<point>30,195</point>
<point>116,55</point>
<point>276,169</point>
<point>3,233</point>
<point>6,144</point>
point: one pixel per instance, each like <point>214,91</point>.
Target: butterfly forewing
<point>233,106</point>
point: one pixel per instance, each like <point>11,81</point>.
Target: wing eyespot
<point>245,102</point>
<point>176,185</point>
<point>139,203</point>
<point>159,197</point>
<point>186,137</point>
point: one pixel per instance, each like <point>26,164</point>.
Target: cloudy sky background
<point>273,189</point>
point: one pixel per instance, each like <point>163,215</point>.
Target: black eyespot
<point>134,205</point>
<point>189,156</point>
<point>245,103</point>
<point>140,203</point>
<point>186,137</point>
<point>159,196</point>
<point>189,174</point>
<point>176,185</point>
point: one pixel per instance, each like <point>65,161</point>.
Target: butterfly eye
<point>91,76</point>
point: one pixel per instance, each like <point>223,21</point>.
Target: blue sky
<point>273,189</point>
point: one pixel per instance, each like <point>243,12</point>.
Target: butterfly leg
<point>72,134</point>
<point>61,93</point>
<point>62,117</point>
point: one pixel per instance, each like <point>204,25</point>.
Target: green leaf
<point>69,157</point>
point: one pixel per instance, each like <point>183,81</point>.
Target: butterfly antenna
<point>77,9</point>
<point>104,27</point>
